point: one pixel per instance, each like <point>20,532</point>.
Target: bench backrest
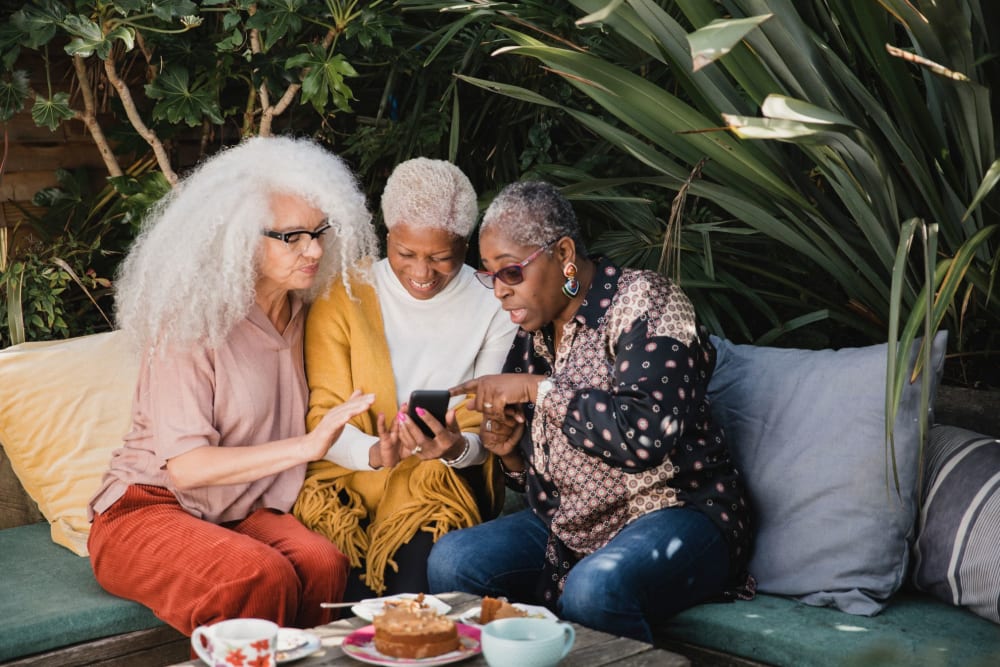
<point>16,507</point>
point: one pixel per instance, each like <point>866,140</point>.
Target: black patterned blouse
<point>624,428</point>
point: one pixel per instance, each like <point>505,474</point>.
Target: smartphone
<point>434,401</point>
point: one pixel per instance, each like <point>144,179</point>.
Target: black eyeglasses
<point>295,237</point>
<point>512,274</point>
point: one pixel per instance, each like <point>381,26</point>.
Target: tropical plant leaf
<point>15,312</point>
<point>716,39</point>
<point>89,38</point>
<point>601,14</point>
<point>985,187</point>
<point>61,263</point>
<point>324,76</point>
<point>789,108</point>
<point>167,10</point>
<point>178,101</point>
<point>14,94</point>
<point>276,20</point>
<point>49,112</point>
<point>39,21</point>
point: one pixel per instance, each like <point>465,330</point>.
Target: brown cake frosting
<point>409,629</point>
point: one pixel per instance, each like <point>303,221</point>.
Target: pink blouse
<point>250,390</point>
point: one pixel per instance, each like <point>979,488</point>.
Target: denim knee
<point>442,563</point>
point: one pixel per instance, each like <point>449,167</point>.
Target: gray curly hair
<point>533,212</point>
<point>190,274</point>
<point>430,193</point>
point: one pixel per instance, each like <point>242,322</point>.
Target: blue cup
<point>526,642</point>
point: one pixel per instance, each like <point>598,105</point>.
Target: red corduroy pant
<point>191,572</point>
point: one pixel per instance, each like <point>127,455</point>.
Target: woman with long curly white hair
<point>192,518</point>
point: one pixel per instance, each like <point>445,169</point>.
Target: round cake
<point>409,629</point>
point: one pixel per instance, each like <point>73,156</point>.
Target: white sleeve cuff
<point>351,449</point>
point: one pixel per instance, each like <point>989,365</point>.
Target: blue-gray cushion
<point>957,553</point>
<point>807,430</point>
<point>50,599</point>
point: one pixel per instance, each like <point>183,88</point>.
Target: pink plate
<point>359,646</point>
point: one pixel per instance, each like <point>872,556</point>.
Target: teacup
<point>526,642</point>
<point>239,641</point>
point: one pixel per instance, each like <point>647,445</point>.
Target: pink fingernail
<point>401,417</point>
<point>421,412</point>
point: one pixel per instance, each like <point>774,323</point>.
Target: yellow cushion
<point>64,407</point>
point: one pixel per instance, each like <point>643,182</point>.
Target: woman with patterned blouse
<point>636,509</point>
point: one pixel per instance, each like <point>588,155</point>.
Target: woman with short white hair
<point>191,518</point>
<point>387,491</point>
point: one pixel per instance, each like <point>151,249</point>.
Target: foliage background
<point>809,235</point>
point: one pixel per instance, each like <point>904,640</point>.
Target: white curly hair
<point>430,193</point>
<point>190,274</point>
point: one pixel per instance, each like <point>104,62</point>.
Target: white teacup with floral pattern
<point>239,641</point>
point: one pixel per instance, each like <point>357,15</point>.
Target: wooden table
<point>591,649</point>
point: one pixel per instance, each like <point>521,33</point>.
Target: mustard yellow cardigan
<point>345,348</point>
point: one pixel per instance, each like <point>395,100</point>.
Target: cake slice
<point>494,608</point>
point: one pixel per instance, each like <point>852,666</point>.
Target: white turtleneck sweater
<point>458,334</point>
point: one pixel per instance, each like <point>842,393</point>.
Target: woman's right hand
<point>385,452</point>
<point>333,422</point>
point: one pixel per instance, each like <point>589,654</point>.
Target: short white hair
<point>430,193</point>
<point>191,273</point>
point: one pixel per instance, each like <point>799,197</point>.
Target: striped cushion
<point>957,554</point>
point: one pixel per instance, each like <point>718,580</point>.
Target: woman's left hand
<point>447,443</point>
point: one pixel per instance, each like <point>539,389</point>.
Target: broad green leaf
<point>167,10</point>
<point>90,39</point>
<point>715,40</point>
<point>49,112</point>
<point>39,21</point>
<point>323,79</point>
<point>276,21</point>
<point>14,94</point>
<point>179,101</point>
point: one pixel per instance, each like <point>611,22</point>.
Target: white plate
<point>471,617</point>
<point>360,646</point>
<point>369,609</point>
<point>294,644</point>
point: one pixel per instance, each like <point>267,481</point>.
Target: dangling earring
<point>572,286</point>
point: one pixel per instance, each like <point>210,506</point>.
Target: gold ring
<point>489,425</point>
<point>418,449</point>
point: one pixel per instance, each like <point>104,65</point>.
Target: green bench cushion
<point>50,599</point>
<point>913,630</point>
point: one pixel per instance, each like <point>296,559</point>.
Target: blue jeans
<point>658,565</point>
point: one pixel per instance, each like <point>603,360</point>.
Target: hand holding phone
<point>433,401</point>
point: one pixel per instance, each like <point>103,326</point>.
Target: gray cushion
<point>957,554</point>
<point>807,430</point>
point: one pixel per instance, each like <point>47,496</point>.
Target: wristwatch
<point>544,387</point>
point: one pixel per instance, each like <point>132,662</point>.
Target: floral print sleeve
<point>637,423</point>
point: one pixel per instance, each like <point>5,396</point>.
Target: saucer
<point>295,644</point>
